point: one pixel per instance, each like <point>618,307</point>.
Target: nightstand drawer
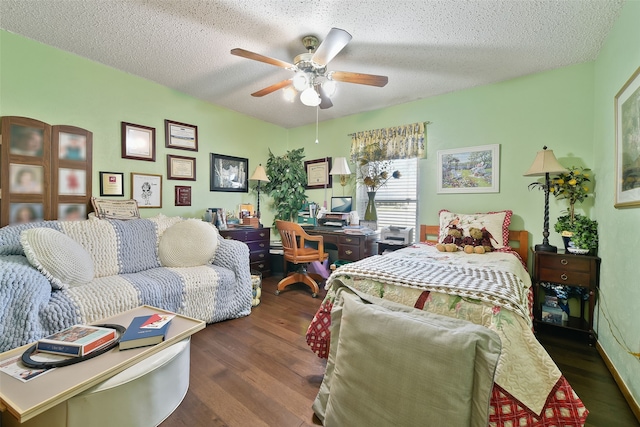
<point>565,276</point>
<point>566,263</point>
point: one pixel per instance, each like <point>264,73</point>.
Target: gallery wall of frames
<point>45,171</point>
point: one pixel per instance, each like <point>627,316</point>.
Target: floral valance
<point>399,142</point>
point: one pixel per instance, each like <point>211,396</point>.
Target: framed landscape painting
<point>627,118</point>
<point>469,170</point>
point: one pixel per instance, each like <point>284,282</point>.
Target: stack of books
<point>146,330</point>
<point>552,313</point>
<point>77,341</point>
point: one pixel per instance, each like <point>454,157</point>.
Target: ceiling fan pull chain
<point>317,109</point>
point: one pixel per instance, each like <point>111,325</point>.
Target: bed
<point>492,290</point>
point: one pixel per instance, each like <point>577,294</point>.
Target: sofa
<point>54,274</point>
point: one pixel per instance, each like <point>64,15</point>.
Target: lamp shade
<point>545,162</point>
<point>260,174</point>
<point>340,167</point>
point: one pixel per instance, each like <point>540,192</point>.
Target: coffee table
<point>24,401</point>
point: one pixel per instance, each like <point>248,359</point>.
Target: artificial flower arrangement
<point>375,168</point>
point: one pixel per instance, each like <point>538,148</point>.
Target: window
<point>397,201</point>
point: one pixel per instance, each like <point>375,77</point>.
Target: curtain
<point>399,142</point>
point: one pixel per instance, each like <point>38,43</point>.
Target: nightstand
<point>569,270</point>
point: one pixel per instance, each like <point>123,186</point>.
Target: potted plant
<point>584,233</point>
<point>573,187</point>
<point>287,175</point>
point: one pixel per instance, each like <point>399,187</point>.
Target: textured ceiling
<point>426,48</point>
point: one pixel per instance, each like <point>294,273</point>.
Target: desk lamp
<point>544,164</point>
<point>259,175</point>
<point>341,167</point>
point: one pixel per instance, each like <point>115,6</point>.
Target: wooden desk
<point>26,400</point>
<point>351,247</point>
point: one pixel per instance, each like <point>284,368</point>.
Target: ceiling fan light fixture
<point>300,81</point>
<point>329,87</point>
<point>289,94</point>
<point>310,97</point>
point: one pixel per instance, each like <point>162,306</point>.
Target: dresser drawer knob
<point>563,276</point>
<point>349,240</point>
<point>348,252</point>
<point>262,234</point>
<point>261,255</point>
<point>261,266</point>
<point>262,245</point>
<point>564,261</point>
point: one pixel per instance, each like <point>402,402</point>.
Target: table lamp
<point>259,175</point>
<point>341,167</point>
<point>544,164</point>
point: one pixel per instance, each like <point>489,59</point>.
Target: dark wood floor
<point>258,370</point>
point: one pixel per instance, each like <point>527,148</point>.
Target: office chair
<point>293,243</point>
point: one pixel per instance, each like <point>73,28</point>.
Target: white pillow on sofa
<point>188,243</point>
<point>60,258</point>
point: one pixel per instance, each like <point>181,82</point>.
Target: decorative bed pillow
<point>443,375</point>
<point>496,223</point>
<point>188,243</point>
<point>60,258</point>
<point>115,209</point>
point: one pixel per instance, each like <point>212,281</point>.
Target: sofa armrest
<point>234,255</point>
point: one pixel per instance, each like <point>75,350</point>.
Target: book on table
<point>77,340</point>
<point>145,330</point>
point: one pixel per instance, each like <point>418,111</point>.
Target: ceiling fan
<point>315,84</point>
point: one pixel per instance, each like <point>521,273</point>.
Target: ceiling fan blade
<point>359,78</point>
<point>325,101</point>
<point>257,57</point>
<point>267,90</point>
<point>335,41</point>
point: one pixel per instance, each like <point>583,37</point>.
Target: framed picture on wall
<point>627,118</point>
<point>228,173</point>
<point>318,173</point>
<point>183,195</point>
<point>469,170</point>
<point>138,142</point>
<point>179,167</point>
<point>111,184</point>
<point>180,135</point>
<point>146,189</point>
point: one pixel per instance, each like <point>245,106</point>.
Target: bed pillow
<point>60,258</point>
<point>496,223</point>
<point>446,365</point>
<point>188,243</point>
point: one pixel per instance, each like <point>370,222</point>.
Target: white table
<point>23,401</point>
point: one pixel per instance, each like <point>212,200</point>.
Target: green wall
<point>57,87</point>
<point>618,315</point>
<point>554,108</point>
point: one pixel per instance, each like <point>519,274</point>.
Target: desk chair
<point>293,242</point>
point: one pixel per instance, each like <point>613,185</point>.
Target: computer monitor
<point>341,204</point>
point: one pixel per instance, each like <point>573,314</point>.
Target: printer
<point>396,235</point>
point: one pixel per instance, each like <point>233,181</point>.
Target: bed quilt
<point>492,290</point>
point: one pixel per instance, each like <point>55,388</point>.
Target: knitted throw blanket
<point>496,287</point>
